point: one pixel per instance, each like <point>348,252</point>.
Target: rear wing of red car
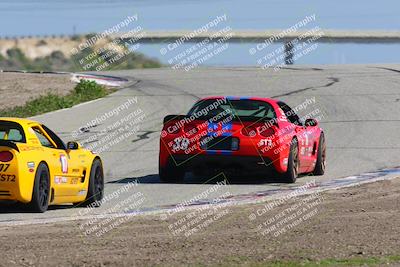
<point>169,118</point>
<point>173,117</point>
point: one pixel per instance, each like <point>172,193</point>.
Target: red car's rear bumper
<point>249,158</point>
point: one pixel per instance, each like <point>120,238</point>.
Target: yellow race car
<point>38,169</point>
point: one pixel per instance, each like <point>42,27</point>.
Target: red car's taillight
<point>268,132</point>
<point>6,156</point>
<point>249,131</point>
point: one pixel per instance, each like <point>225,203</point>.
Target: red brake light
<point>268,132</point>
<point>249,131</point>
<point>6,156</point>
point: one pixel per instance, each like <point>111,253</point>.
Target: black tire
<point>290,176</point>
<point>96,185</point>
<point>41,190</point>
<point>320,165</point>
<point>171,173</point>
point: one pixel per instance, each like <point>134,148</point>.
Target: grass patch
<point>372,261</point>
<point>84,91</point>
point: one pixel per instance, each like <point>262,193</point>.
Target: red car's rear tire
<point>290,176</point>
<point>171,173</point>
<point>321,157</point>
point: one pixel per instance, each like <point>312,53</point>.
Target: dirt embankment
<point>17,88</point>
<point>36,47</point>
<point>356,223</point>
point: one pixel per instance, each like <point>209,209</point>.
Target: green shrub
<point>83,91</point>
<point>41,43</point>
<point>88,90</point>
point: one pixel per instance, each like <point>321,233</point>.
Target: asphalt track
<point>361,119</point>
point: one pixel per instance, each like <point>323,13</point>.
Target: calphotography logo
<point>103,117</point>
<point>276,221</point>
<point>213,42</point>
<point>109,48</point>
<point>203,29</point>
<point>195,217</point>
<point>112,127</point>
<point>121,206</point>
<point>297,43</point>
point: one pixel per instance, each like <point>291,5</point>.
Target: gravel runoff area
<point>17,88</point>
<point>357,224</point>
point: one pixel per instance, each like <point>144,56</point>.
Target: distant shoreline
<point>55,54</point>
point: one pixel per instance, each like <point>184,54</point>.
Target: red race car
<point>241,135</point>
